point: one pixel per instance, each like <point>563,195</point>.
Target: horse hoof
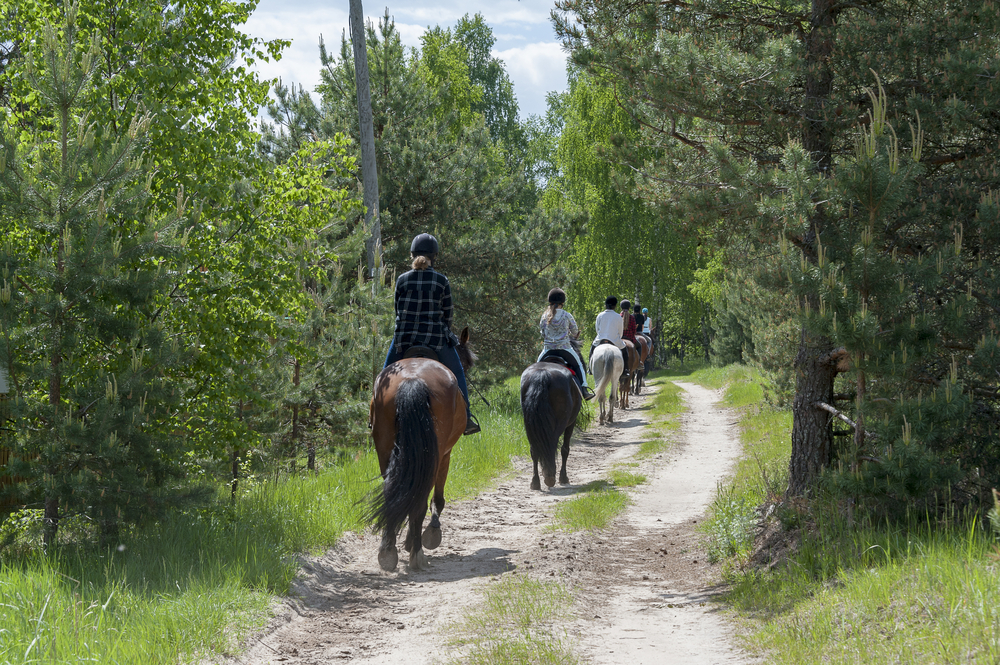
<point>563,479</point>
<point>418,561</point>
<point>549,481</point>
<point>536,484</point>
<point>387,560</point>
<point>431,538</point>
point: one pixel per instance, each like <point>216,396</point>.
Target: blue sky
<point>525,42</point>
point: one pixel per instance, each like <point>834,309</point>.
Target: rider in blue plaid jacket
<point>423,315</point>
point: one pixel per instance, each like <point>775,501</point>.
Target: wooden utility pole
<point>369,174</point>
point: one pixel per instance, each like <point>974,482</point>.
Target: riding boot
<point>471,424</point>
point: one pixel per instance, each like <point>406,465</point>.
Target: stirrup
<point>588,394</point>
<point>471,425</point>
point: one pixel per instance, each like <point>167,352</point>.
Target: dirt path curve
<point>642,586</point>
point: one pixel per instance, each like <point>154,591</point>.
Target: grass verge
<point>199,581</point>
<point>850,591</point>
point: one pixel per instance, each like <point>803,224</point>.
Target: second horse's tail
<point>540,421</point>
<point>409,476</point>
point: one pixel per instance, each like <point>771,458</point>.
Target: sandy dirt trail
<point>643,587</point>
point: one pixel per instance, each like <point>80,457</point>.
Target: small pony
<point>416,415</point>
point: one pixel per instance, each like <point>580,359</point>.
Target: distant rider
<point>609,327</point>
<point>628,323</point>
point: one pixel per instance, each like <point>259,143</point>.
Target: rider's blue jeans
<point>449,358</point>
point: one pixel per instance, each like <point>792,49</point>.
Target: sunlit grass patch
<point>914,595</point>
<point>592,510</point>
<point>665,425</point>
<point>513,624</point>
<point>621,477</point>
<point>519,650</point>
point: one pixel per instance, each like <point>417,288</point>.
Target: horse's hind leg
<point>418,561</point>
<point>388,556</point>
<point>536,483</point>
<point>432,534</point>
<point>563,478</point>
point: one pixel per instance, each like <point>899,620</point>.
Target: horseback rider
<point>609,327</point>
<point>558,326</point>
<point>628,323</point>
<point>423,316</point>
<point>640,319</point>
<point>647,323</point>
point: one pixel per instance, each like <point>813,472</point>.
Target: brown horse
<point>416,416</point>
<point>625,382</point>
<point>643,347</point>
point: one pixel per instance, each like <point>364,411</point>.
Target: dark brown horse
<point>625,382</point>
<point>416,415</point>
<point>643,347</point>
<point>550,403</point>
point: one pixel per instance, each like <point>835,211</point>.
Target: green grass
<point>598,504</point>
<point>850,591</point>
<point>913,595</point>
<point>197,582</point>
<point>622,477</point>
<point>513,624</point>
<point>664,415</point>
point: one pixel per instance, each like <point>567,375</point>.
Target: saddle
<point>604,341</point>
<point>421,352</point>
<point>560,357</point>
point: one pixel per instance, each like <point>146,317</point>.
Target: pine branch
<point>836,413</point>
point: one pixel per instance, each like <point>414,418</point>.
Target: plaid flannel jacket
<point>423,310</point>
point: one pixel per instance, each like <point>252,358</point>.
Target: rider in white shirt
<point>609,325</point>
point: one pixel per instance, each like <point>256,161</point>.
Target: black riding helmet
<point>626,305</point>
<point>611,302</point>
<point>424,243</point>
<point>557,296</point>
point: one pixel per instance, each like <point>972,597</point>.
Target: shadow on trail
<point>572,488</point>
<point>332,587</point>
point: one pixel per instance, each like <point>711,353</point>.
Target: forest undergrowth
<point>819,581</point>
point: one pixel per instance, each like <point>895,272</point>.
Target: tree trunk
<point>812,434</point>
<point>369,173</point>
<point>705,337</point>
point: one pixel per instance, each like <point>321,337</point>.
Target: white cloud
<point>535,69</point>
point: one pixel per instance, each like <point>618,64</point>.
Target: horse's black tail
<point>540,421</point>
<point>413,463</point>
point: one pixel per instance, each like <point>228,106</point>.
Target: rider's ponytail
<point>550,311</point>
<point>422,262</point>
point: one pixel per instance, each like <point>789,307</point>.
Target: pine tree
<point>85,269</point>
<point>755,110</point>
